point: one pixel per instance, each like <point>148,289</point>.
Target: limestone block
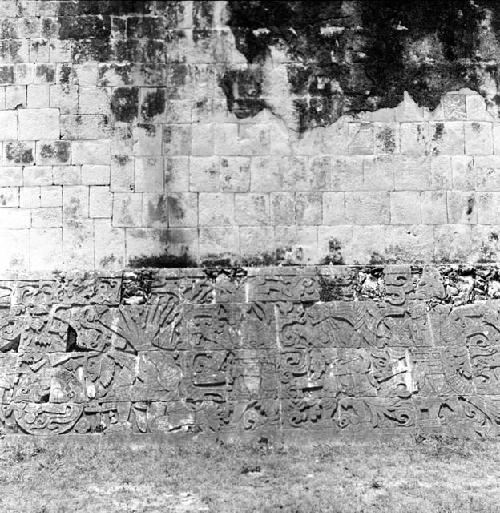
<point>14,218</point>
<point>63,98</point>
<point>361,139</point>
<point>109,245</point>
<point>367,207</point>
<point>433,207</point>
<point>333,208</point>
<point>218,242</point>
<point>297,244</point>
<point>127,209</point>
<point>30,197</point>
<point>53,153</point>
<point>176,140</point>
<point>37,175</point>
<point>15,97</point>
<point>412,173</point>
<point>94,100</point>
<point>252,209</point>
<point>11,176</point>
<point>19,153</point>
<point>78,244</point>
<point>378,173</point>
<point>9,197</point>
<point>204,174</point>
<point>75,202</point>
<point>149,174</point>
<point>454,107</point>
<point>487,173</point>
<point>203,139</point>
<point>91,152</point>
<point>478,138</point>
<point>283,208</point>
<point>96,174</point>
<point>51,196</point>
<point>100,202</point>
<point>309,208</point>
<point>266,174</point>
<point>405,207</point>
<point>8,125</point>
<point>155,210</point>
<point>488,205</point>
<point>334,244</point>
<point>234,174</point>
<point>216,209</point>
<point>144,242</point>
<point>15,255</point>
<point>176,174</point>
<point>67,175</point>
<point>410,243</point>
<point>387,138</point>
<point>252,241</point>
<point>51,217</point>
<point>496,138</point>
<point>182,209</point>
<point>347,174</point>
<point>447,138</point>
<point>83,126</point>
<point>464,173</point>
<point>441,172</point>
<point>45,248</point>
<point>462,207</point>
<point>122,173</point>
<point>452,242</point>
<point>368,244</point>
<point>415,139</point>
<point>36,124</point>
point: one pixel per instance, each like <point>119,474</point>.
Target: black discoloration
<point>153,104</point>
<point>58,151</point>
<point>243,89</point>
<point>19,153</point>
<point>163,261</point>
<point>470,205</point>
<point>125,104</point>
<point>355,55</point>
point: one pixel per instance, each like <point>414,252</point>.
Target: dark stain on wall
<point>350,56</point>
<point>125,104</point>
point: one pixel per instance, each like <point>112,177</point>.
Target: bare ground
<point>438,474</point>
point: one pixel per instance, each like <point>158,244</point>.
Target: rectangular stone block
<point>216,209</point>
<point>251,209</point>
<point>127,209</point>
<point>122,173</point>
<point>8,125</point>
<point>91,152</point>
<point>96,174</point>
<point>100,202</point>
<point>367,207</point>
<point>36,124</point>
<point>149,174</point>
<point>405,207</point>
<point>37,175</point>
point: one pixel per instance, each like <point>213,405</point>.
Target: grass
<point>99,474</point>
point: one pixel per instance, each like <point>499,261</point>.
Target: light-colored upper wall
<point>119,146</point>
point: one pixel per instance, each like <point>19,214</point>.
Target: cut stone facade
<point>320,182</point>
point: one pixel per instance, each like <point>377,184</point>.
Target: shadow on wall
<point>350,56</point>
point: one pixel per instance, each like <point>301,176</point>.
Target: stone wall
<point>227,143</point>
<point>245,354</point>
<point>178,133</point>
